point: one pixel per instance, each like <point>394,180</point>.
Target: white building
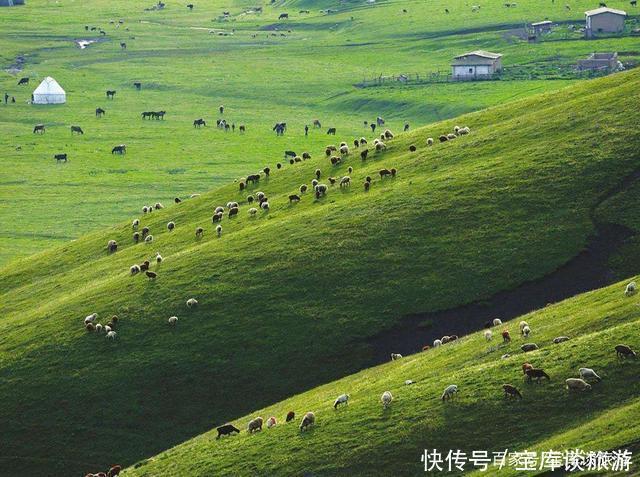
<point>477,64</point>
<point>49,92</point>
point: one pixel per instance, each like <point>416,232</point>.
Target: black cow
<point>199,122</point>
<point>61,157</point>
<point>283,16</point>
<point>23,81</point>
<point>331,131</point>
<point>121,149</point>
<point>227,430</point>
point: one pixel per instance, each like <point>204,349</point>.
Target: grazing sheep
<point>192,302</point>
<point>112,246</point>
<point>242,186</point>
<point>429,141</point>
<point>145,231</point>
<point>321,190</point>
<point>451,136</point>
<point>445,339</point>
<point>107,328</point>
<point>173,320</point>
<point>303,188</point>
<point>250,199</point>
<point>536,373</point>
<point>265,206</point>
<point>384,173</point>
<point>449,392</point>
<point>260,196</point>
<point>345,181</point>
<point>219,210</point>
<point>409,382</point>
<point>463,131</point>
<point>135,269</point>
<point>136,237</point>
<point>624,351</point>
<point>386,399</point>
<point>511,391</point>
<point>309,419</point>
<point>199,232</point>
<point>171,226</point>
<point>219,230</point>
<point>332,180</point>
<point>114,471</point>
<point>506,337</point>
<point>271,422</point>
<point>368,179</point>
<point>145,210</point>
<point>294,198</point>
<point>314,183</point>
<point>380,146</point>
<point>437,343</point>
<point>560,339</point>
<point>344,150</point>
<point>266,171</point>
<point>91,318</point>
<point>253,211</point>
<point>98,328</point>
<point>217,217</point>
<point>497,322</point>
<point>576,384</point>
<point>505,356</point>
<point>412,148</point>
<point>254,425</point>
<point>387,134</point>
<point>177,200</point>
<point>290,416</point>
<point>588,373</point>
<point>111,335</point>
<point>335,160</point>
<point>148,239</point>
<point>151,275</point>
<point>364,154</point>
<point>526,366</point>
<point>342,399</point>
<point>488,335</point>
<point>367,185</point>
<point>89,327</point>
<point>526,331</point>
<point>456,129</point>
<point>135,223</point>
<point>158,206</point>
<point>227,430</point>
<point>363,141</point>
<point>522,325</point>
<point>306,155</point>
<point>395,356</point>
<point>158,257</point>
<point>529,347</point>
<point>350,170</point>
<point>630,289</point>
<point>443,138</point>
<point>144,265</point>
<point>233,211</point>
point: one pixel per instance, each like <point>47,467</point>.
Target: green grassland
<point>188,71</point>
<point>289,298</point>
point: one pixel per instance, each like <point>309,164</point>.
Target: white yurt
<point>49,92</point>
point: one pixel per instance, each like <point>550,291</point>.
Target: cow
<point>110,94</point>
<point>61,157</point>
<point>76,129</point>
<point>227,430</point>
<point>38,128</point>
<point>199,122</point>
<point>331,131</point>
<point>121,149</point>
<point>283,16</point>
<point>24,80</point>
<point>100,112</point>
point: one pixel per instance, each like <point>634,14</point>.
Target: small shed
<point>599,62</point>
<point>11,3</point>
<point>49,92</point>
<point>477,64</point>
<point>604,20</point>
<point>541,27</point>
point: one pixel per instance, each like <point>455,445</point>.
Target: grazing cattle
<point>331,131</point>
<point>242,128</point>
<point>38,128</point>
<point>61,157</point>
<point>137,85</point>
<point>121,149</point>
<point>123,45</point>
<point>199,122</point>
<point>316,123</point>
<point>511,391</point>
<point>100,112</point>
<point>624,351</point>
<point>294,198</point>
<point>76,129</point>
<point>24,80</point>
<point>111,94</point>
<point>537,374</point>
<point>290,416</point>
<point>283,16</point>
<point>252,178</point>
<point>226,430</point>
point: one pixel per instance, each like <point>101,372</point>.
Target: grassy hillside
<point>188,69</point>
<point>363,439</point>
<point>289,298</point>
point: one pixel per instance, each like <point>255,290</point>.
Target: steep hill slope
<point>288,299</point>
<point>364,439</point>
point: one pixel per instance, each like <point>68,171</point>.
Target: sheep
<point>135,269</point>
<point>449,392</point>
<point>226,430</point>
<point>529,347</point>
<point>321,190</point>
<point>630,289</point>
<point>624,351</point>
<point>409,382</point>
<point>445,339</point>
<point>345,181</point>
<point>151,275</point>
<point>309,419</point>
<point>314,183</point>
<point>217,217</point>
<point>111,335</point>
<point>368,179</point>
<point>114,471</point>
<point>443,138</point>
<point>395,356</point>
<point>522,325</point>
<point>254,425</point>
<point>265,206</point>
<point>384,173</point>
<point>192,302</point>
<point>505,356</point>
<point>199,232</point>
<point>332,180</point>
<point>526,331</point>
<point>112,246</point>
<point>560,339</point>
<point>253,211</point>
<point>145,210</point>
<point>344,150</point>
<point>342,399</point>
<point>107,328</point>
<point>506,337</point>
<point>89,327</point>
<point>363,141</point>
<point>136,237</point>
<point>429,141</point>
<point>488,335</point>
<point>412,148</point>
<point>437,343</point>
<point>158,206</point>
<point>233,212</point>
<point>219,230</point>
<point>367,185</point>
<point>294,198</point>
<point>145,231</point>
<point>148,239</point>
<point>90,318</point>
<point>172,320</point>
<point>364,154</point>
<point>135,224</point>
<point>98,328</point>
<point>171,226</point>
<point>306,155</point>
<point>451,136</point>
<point>463,131</point>
<point>158,257</point>
<point>271,422</point>
<point>303,188</point>
<point>386,399</point>
<point>588,373</point>
<point>536,373</point>
<point>511,391</point>
<point>260,195</point>
<point>456,129</point>
<point>144,265</point>
<point>497,322</point>
<point>290,416</point>
<point>335,160</point>
<point>219,210</point>
<point>249,199</point>
<point>576,384</point>
<point>526,366</point>
<point>241,185</point>
<point>387,134</point>
<point>380,146</point>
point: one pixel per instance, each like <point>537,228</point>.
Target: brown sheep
<point>536,373</point>
<point>364,154</point>
<point>526,366</point>
<point>511,391</point>
<point>384,173</point>
<point>290,416</point>
<point>335,160</point>
<point>506,337</point>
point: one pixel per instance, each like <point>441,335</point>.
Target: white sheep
<point>497,322</point>
<point>576,384</point>
<point>409,382</point>
<point>148,239</point>
<point>111,334</point>
<point>98,328</point>
<point>145,210</point>
<point>219,210</point>
<point>344,150</point>
<point>526,331</point>
<point>264,206</point>
<point>191,302</point>
<point>429,141</point>
<point>386,399</point>
<point>135,224</point>
<point>90,318</point>
<point>107,328</point>
<point>437,343</point>
<point>488,335</point>
<point>271,422</point>
<point>309,419</point>
<point>630,289</point>
<point>158,257</point>
<point>560,339</point>
<point>135,269</point>
<point>173,320</point>
<point>219,230</point>
<point>449,392</point>
<point>588,373</point>
<point>464,130</point>
<point>342,399</point>
<point>522,325</point>
<point>395,356</point>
